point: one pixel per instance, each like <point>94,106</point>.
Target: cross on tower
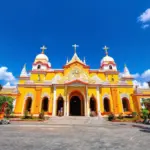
<point>75,47</point>
<point>43,48</point>
<point>106,48</point>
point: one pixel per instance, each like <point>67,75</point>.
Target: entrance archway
<point>106,105</point>
<point>125,104</point>
<point>45,104</point>
<point>60,106</point>
<point>93,106</point>
<point>28,104</point>
<point>76,104</point>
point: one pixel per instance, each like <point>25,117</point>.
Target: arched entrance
<point>93,107</point>
<point>76,104</point>
<point>28,104</point>
<point>125,104</point>
<point>45,104</point>
<point>60,106</point>
<point>106,105</point>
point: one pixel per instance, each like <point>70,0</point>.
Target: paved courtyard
<point>40,136</point>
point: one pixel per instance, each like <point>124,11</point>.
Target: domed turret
<point>41,61</point>
<point>107,62</point>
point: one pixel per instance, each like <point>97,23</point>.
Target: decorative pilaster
<point>54,101</point>
<point>65,102</point>
<point>87,103</point>
<point>98,100</point>
<point>67,105</point>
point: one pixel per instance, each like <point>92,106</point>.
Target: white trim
<point>45,94</point>
<point>106,96</point>
<point>124,95</point>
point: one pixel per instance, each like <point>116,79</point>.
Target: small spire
<point>43,48</point>
<point>67,61</point>
<point>75,47</point>
<point>126,71</point>
<point>84,60</point>
<point>24,71</point>
<point>106,49</point>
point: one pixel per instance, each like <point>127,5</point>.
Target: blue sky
<point>28,24</point>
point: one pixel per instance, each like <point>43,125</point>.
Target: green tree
<point>146,102</point>
<point>7,99</point>
<point>1,87</point>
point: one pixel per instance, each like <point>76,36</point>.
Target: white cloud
<point>144,26</point>
<point>7,76</point>
<point>143,85</point>
<point>146,75</point>
<point>145,16</point>
<point>136,75</point>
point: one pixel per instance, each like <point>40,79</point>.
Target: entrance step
<point>73,120</point>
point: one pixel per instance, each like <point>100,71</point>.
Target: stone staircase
<point>76,120</point>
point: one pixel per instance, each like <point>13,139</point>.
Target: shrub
<point>41,115</point>
<point>134,114</point>
<point>7,112</point>
<point>120,116</point>
<point>26,115</point>
<point>111,117</point>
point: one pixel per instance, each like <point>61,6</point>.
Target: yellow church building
<point>76,89</point>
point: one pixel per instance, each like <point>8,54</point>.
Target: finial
<point>106,48</point>
<point>84,60</point>
<point>43,48</point>
<point>75,47</point>
<point>24,65</point>
<point>125,65</point>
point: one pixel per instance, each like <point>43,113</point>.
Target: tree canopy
<point>7,99</point>
<point>1,87</point>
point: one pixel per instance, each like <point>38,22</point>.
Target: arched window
<point>39,67</point>
<point>106,105</point>
<point>45,104</point>
<point>28,104</point>
<point>125,104</point>
<point>110,67</point>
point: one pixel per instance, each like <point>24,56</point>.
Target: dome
<point>41,57</point>
<point>107,59</point>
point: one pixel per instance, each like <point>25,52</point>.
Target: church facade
<point>76,89</point>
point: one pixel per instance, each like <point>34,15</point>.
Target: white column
<point>54,101</point>
<point>98,100</point>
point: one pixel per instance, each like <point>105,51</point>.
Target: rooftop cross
<point>43,48</point>
<point>75,47</point>
<point>106,48</point>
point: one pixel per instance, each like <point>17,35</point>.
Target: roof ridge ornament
<point>43,48</point>
<point>106,50</point>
